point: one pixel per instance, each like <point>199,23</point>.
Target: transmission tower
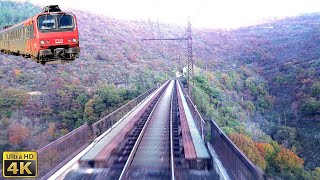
<point>190,71</point>
<point>190,60</point>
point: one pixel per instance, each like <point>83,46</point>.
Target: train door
<point>31,39</point>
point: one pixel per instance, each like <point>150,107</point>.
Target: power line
<point>190,53</point>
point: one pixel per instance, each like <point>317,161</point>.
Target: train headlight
<point>42,42</point>
<point>47,42</point>
<point>74,40</point>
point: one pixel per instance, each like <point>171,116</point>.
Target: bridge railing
<point>58,151</point>
<point>236,163</point>
<point>54,155</point>
<point>107,122</point>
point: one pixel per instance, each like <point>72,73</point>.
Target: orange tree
<point>248,147</point>
<point>288,161</point>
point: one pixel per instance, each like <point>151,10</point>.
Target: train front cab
<point>57,37</point>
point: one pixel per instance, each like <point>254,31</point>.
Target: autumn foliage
<point>247,146</point>
<point>268,156</point>
<point>51,129</point>
<point>265,149</point>
<point>288,161</point>
<point>18,133</point>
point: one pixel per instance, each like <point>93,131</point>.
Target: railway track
<point>153,147</point>
<point>145,153</point>
<point>151,156</point>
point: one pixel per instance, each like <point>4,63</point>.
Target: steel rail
<point>171,134</point>
<point>136,145</point>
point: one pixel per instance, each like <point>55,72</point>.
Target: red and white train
<point>50,37</point>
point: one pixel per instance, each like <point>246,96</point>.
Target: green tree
<point>109,95</point>
<point>89,114</point>
<point>311,106</point>
<point>315,89</point>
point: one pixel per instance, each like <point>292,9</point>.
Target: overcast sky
<point>203,13</point>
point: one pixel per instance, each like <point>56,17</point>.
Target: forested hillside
<point>260,84</point>
<point>43,103</point>
<point>11,12</point>
<point>287,54</point>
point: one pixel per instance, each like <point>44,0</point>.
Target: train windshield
<point>65,21</point>
<point>47,22</point>
<point>59,22</point>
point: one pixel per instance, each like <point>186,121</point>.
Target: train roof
<point>51,8</point>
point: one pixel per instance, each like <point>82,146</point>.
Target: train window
<point>46,22</point>
<point>65,21</point>
<point>28,32</point>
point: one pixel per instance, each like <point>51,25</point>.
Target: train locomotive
<point>50,37</point>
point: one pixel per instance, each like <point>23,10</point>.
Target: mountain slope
<point>266,74</point>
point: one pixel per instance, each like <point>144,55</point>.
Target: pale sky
<point>203,13</point>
